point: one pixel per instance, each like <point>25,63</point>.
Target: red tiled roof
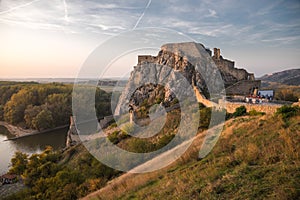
<point>9,176</point>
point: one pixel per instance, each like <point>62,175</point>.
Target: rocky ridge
<point>154,79</point>
<point>288,77</point>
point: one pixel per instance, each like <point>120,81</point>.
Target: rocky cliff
<point>154,79</point>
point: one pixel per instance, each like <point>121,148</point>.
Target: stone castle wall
<point>230,74</point>
<point>244,87</point>
<point>237,81</point>
<point>201,99</point>
<point>266,108</point>
<point>146,58</point>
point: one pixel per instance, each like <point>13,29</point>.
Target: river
<point>31,144</point>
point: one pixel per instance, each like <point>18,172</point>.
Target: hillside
<point>257,157</point>
<point>287,77</point>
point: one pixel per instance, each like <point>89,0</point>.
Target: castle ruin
<point>237,82</point>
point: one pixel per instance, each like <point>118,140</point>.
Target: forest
<point>55,175</point>
<point>43,106</point>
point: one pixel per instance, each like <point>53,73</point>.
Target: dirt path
<point>16,131</point>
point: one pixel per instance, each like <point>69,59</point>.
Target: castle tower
<point>251,77</point>
<point>217,53</point>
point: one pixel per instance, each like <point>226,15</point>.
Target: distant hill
<point>287,77</point>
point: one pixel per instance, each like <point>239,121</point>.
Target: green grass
<point>248,162</point>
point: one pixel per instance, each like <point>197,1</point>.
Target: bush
<point>140,145</point>
<point>113,137</point>
<point>117,136</point>
<point>288,111</point>
<point>205,116</point>
<point>240,111</point>
<point>287,95</point>
<point>255,113</point>
<point>128,128</point>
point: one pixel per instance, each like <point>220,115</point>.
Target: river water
<point>31,144</point>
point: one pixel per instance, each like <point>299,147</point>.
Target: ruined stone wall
<point>146,58</point>
<point>244,87</point>
<point>217,53</point>
<point>229,73</point>
<point>251,77</point>
<point>201,99</point>
<point>267,108</point>
<point>179,57</point>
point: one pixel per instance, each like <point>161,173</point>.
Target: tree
<point>19,163</point>
<point>15,108</point>
<point>43,120</point>
<point>61,107</point>
<point>30,113</point>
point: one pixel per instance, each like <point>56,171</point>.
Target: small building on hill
<point>8,178</point>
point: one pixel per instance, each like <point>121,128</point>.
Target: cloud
<point>13,8</point>
<point>72,16</point>
<point>227,21</point>
<point>286,40</point>
<point>212,13</point>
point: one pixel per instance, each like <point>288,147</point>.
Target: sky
<point>54,39</point>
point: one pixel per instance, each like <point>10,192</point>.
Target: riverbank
<point>15,130</point>
<point>19,132</point>
<point>9,189</point>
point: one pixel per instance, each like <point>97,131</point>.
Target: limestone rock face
<point>154,79</point>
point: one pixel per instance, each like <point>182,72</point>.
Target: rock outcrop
<point>72,135</point>
<point>153,79</point>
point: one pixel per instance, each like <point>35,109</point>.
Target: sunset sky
<point>52,39</point>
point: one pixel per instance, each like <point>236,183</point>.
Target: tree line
<point>43,106</point>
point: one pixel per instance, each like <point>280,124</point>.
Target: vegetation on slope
<point>257,157</point>
<point>52,175</point>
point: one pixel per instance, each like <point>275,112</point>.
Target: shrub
<point>113,125</point>
<point>166,139</point>
<point>205,116</point>
<point>287,95</point>
<point>255,113</point>
<point>117,136</point>
<point>240,111</point>
<point>113,137</point>
<point>158,100</point>
<point>288,111</point>
<point>128,128</point>
<point>139,145</point>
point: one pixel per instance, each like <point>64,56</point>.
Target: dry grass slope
<point>257,157</point>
